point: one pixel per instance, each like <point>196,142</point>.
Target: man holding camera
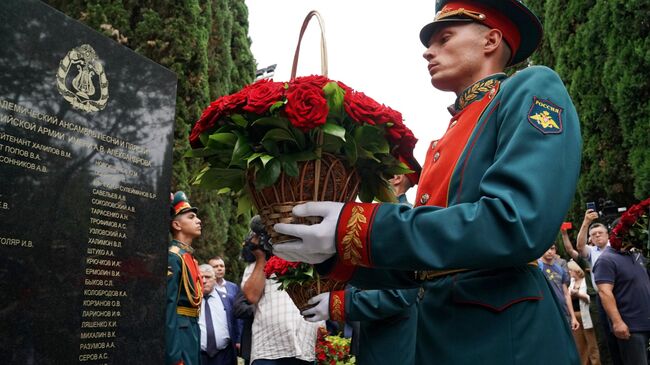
<point>598,235</point>
<point>280,336</point>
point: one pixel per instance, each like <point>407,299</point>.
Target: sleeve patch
<point>545,116</point>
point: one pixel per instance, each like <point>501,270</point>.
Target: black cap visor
<point>186,210</point>
<point>430,29</point>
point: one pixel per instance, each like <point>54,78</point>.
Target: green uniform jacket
<point>491,197</point>
<point>182,330</point>
<point>388,320</point>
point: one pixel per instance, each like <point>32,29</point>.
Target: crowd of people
<point>467,275</point>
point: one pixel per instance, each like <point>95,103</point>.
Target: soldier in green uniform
<point>491,197</point>
<point>184,286</point>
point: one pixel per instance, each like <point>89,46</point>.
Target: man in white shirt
<point>216,324</point>
<point>280,336</point>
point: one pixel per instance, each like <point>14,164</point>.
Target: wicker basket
<point>326,179</point>
<point>300,294</point>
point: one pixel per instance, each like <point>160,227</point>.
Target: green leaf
<point>272,122</point>
<point>350,149</point>
<point>299,136</point>
<point>310,271</point>
<point>240,152</point>
<point>217,178</point>
<point>268,175</point>
<point>334,130</point>
<point>204,137</point>
<point>290,167</point>
<point>385,193</point>
<point>276,106</point>
<point>199,175</point>
<point>302,156</point>
<point>244,204</point>
<point>266,158</point>
<point>222,140</point>
<point>398,169</point>
<point>239,120</point>
<point>365,193</point>
<point>201,152</point>
<point>365,154</point>
<point>253,157</point>
<point>334,95</point>
<point>332,144</point>
<point>271,147</point>
<point>278,135</point>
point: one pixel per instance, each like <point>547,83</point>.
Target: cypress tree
<point>575,47</point>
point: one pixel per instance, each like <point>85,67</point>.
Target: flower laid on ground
<point>332,350</point>
<point>269,127</point>
<point>287,273</point>
<point>632,228</point>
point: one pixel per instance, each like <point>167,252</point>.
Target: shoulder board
<point>175,249</point>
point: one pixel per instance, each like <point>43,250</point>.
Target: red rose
<point>315,80</point>
<point>306,106</point>
<point>263,94</point>
<point>364,109</point>
<point>219,108</point>
<point>345,87</point>
<point>627,220</point>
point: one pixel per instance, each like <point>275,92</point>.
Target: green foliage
<point>600,49</point>
<point>205,42</point>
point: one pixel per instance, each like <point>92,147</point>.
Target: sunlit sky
<point>373,46</point>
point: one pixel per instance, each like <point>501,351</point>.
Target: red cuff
<point>341,271</point>
<point>353,233</point>
<point>337,305</point>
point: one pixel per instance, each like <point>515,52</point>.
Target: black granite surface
<point>84,194</point>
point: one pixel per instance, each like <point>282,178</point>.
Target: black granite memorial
<point>86,129</point>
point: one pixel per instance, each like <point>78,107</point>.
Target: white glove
<point>316,242</point>
<point>321,310</point>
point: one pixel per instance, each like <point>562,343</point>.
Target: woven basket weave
<point>326,179</point>
<point>300,294</point>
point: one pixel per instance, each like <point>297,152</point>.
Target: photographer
<point>279,334</point>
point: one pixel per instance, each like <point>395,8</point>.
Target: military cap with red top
<point>521,29</point>
<point>180,204</point>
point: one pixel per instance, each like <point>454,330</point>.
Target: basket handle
<point>323,44</point>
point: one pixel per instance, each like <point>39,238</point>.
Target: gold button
<point>436,156</point>
<point>453,123</point>
<point>424,198</point>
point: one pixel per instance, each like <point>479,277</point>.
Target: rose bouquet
<point>332,350</point>
<point>632,229</point>
<point>299,280</point>
<point>267,142</point>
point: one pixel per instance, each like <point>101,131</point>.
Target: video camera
<point>257,230</point>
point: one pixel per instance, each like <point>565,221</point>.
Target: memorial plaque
<point>86,132</point>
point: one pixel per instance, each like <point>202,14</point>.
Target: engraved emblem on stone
<point>81,79</point>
